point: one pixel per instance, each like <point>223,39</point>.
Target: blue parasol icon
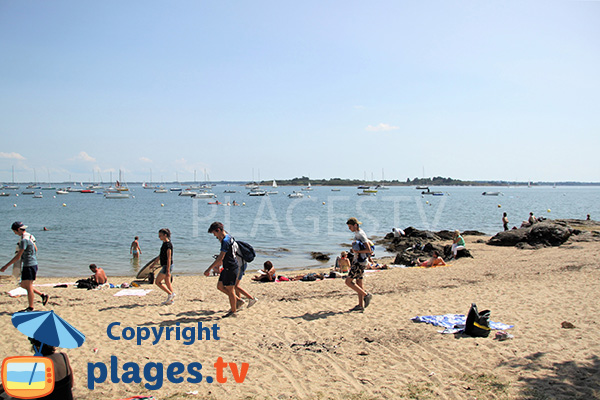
<point>47,328</point>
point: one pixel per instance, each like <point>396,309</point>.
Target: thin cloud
<point>382,128</point>
<point>83,156</point>
<point>145,159</point>
<point>12,155</point>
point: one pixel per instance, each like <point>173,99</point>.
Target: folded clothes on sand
<point>133,292</point>
<point>455,323</point>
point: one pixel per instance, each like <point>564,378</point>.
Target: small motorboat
<point>4,194</point>
<point>257,193</point>
<point>422,188</point>
<point>116,195</point>
<point>88,191</point>
<point>491,193</point>
<point>369,190</point>
<point>336,190</point>
<point>433,193</point>
<point>38,196</point>
<point>62,191</point>
<point>188,193</point>
<point>230,191</point>
<point>204,195</point>
<point>295,195</point>
<point>363,193</point>
<point>28,192</point>
<point>161,190</point>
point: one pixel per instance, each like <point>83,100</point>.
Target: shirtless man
<point>99,274</point>
<point>135,249</point>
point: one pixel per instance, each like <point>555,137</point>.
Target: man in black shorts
<point>229,275</point>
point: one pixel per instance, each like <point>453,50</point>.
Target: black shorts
<point>29,273</point>
<point>242,271</point>
<point>229,276</point>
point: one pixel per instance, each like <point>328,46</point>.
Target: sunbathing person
<point>267,274</point>
<point>434,261</point>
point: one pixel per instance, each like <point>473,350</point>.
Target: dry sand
<point>301,342</point>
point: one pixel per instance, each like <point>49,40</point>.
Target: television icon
<point>28,377</point>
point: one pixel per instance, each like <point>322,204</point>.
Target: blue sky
<point>466,89</point>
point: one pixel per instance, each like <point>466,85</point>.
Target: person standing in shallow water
<point>135,249</point>
<point>505,221</point>
<point>361,249</point>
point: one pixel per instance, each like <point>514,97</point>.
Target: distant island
<point>435,181</point>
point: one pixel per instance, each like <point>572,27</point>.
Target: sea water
<point>92,229</point>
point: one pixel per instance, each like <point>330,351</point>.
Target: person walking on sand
<point>505,221</point>
<point>166,263</point>
<point>27,250</point>
<point>229,274</point>
<point>135,249</point>
<point>361,249</point>
<point>18,266</point>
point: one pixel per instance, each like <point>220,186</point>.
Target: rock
<point>548,234</point>
<point>460,253</point>
<point>473,233</point>
<point>319,256</point>
<point>509,238</point>
<point>567,325</point>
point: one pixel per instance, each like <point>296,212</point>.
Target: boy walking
<point>231,269</point>
<point>27,250</point>
<point>361,249</point>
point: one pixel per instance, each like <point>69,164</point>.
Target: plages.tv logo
<point>32,377</point>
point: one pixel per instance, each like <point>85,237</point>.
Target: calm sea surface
<point>92,229</point>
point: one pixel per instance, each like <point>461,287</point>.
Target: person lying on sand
<point>434,261</point>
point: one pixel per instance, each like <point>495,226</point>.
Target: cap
<point>18,225</point>
<point>353,221</point>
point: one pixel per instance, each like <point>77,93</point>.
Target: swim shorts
<point>29,273</point>
<point>357,271</point>
<point>229,276</point>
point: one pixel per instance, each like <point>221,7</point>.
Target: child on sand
<point>358,265</point>
<point>27,252</point>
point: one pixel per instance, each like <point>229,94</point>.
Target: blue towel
<point>455,323</point>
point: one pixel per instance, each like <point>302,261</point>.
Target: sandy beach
<point>301,342</point>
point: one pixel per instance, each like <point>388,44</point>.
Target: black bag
<point>86,284</point>
<point>246,251</point>
<point>478,323</point>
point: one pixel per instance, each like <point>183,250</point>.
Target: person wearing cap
<point>361,249</point>
<point>27,252</point>
<point>18,266</point>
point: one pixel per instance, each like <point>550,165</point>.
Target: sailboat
<point>34,185</point>
<point>274,185</point>
<point>307,188</point>
<point>12,186</point>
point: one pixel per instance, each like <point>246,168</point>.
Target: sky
<point>473,90</point>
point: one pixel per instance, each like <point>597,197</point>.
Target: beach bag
<point>478,323</point>
<point>246,251</point>
<point>86,284</point>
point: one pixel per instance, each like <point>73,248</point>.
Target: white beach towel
<point>17,292</point>
<point>133,292</point>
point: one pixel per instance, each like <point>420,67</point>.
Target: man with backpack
<point>230,275</point>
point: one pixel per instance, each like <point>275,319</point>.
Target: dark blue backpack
<point>246,251</point>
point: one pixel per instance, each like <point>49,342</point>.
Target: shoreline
<point>302,342</point>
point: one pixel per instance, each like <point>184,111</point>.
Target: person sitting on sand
<point>434,261</point>
<point>267,274</point>
<point>99,275</point>
<point>63,373</point>
<point>342,263</point>
<point>458,243</point>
